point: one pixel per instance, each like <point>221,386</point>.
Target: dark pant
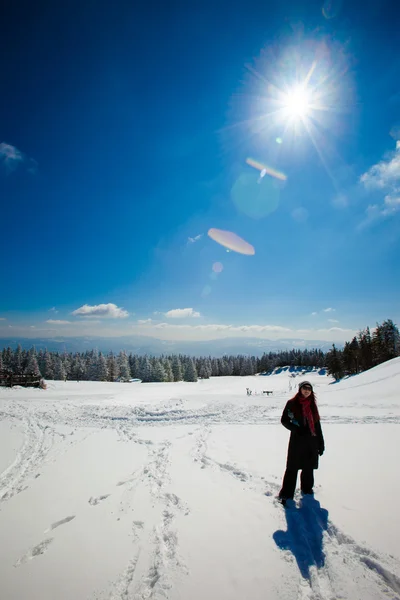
<point>289,482</point>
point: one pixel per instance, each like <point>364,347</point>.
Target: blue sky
<point>124,136</point>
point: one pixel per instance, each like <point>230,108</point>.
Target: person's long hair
<point>314,407</point>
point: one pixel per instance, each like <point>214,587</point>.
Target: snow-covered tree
<point>59,369</point>
<point>112,367</point>
<point>169,376</point>
<point>32,368</point>
<point>190,370</point>
<point>92,365</point>
<point>146,370</point>
<point>177,368</point>
<point>247,367</point>
<point>158,371</point>
<point>48,366</point>
<point>18,360</point>
<point>123,365</point>
<point>135,367</point>
<point>102,370</point>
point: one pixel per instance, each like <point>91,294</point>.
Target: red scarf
<point>305,404</point>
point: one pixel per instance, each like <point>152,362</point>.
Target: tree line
<point>364,351</point>
<point>361,353</point>
<point>97,366</point>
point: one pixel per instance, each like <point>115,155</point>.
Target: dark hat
<point>305,383</point>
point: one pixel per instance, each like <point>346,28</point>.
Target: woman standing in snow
<point>306,442</point>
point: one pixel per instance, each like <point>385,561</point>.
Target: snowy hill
<point>167,491</point>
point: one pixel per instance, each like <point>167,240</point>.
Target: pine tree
<point>247,367</point>
<point>215,367</point>
<point>190,371</point>
<point>350,357</point>
<point>365,346</point>
<point>385,342</point>
<point>18,360</point>
<point>92,365</point>
<point>59,370</point>
<point>67,362</point>
<point>78,368</point>
<point>102,368</point>
<point>112,367</point>
<point>169,376</point>
<point>334,363</point>
<point>203,371</point>
<point>177,368</point>
<point>158,371</point>
<point>146,370</point>
<point>32,368</point>
<point>123,365</point>
<point>48,366</point>
<point>135,367</point>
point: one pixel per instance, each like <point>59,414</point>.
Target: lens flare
<point>218,267</point>
<point>230,240</point>
<point>266,169</point>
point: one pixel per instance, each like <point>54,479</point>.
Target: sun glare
<point>297,102</point>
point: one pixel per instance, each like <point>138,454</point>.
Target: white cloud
<point>325,310</point>
<point>193,240</point>
<point>10,156</point>
<point>182,313</point>
<point>110,311</point>
<point>220,327</point>
<point>3,319</point>
<point>89,321</point>
<point>392,204</point>
<point>58,322</point>
<point>53,309</point>
<point>384,174</point>
<point>32,326</point>
<point>333,321</point>
<point>145,321</point>
<point>384,177</point>
<point>177,331</point>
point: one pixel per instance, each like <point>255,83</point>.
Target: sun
<point>297,102</point>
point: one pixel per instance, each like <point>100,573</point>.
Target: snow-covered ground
<point>167,491</point>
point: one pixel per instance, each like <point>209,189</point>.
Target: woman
<point>306,442</point>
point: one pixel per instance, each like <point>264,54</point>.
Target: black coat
<point>304,448</point>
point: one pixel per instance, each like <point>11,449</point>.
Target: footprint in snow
<point>94,501</point>
<point>34,552</point>
<point>58,523</point>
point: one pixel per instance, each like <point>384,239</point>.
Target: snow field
<point>136,491</point>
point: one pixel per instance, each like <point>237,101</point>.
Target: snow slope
<point>167,491</point>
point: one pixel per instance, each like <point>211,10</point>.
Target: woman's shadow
<point>304,536</point>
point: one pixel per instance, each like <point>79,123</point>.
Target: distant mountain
<point>149,345</point>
